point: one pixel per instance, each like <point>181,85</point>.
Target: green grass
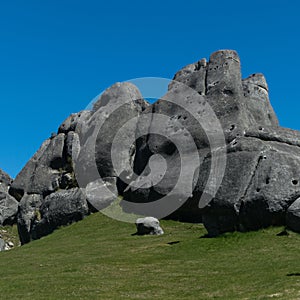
<point>99,259</point>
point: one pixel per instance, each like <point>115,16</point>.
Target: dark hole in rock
<point>57,163</point>
<point>258,190</point>
<point>168,148</point>
<point>267,180</point>
<point>260,128</point>
<point>294,182</point>
<point>232,127</point>
<point>227,92</point>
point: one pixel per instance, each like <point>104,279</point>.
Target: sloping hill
<point>98,258</point>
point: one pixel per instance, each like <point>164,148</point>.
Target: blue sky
<point>56,56</point>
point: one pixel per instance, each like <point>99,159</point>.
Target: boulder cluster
<point>259,186</point>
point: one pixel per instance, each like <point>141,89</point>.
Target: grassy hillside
<point>99,259</point>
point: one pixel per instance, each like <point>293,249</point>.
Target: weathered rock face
<point>142,156</point>
<point>48,186</point>
<point>58,209</point>
<point>117,105</point>
<point>261,178</point>
<point>8,205</point>
<point>5,179</point>
<point>293,216</point>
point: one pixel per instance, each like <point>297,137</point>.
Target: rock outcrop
<point>211,150</point>
<point>261,178</point>
<point>8,204</point>
<point>52,191</point>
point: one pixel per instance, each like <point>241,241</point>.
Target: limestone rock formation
<point>261,178</point>
<point>48,186</point>
<point>237,145</point>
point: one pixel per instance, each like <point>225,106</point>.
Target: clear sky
<point>56,56</point>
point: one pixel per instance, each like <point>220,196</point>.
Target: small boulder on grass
<point>148,225</point>
<point>293,216</point>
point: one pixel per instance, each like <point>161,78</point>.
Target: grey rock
<point>74,121</point>
<point>117,105</point>
<point>8,209</point>
<point>223,74</point>
<point>101,193</point>
<point>59,209</point>
<point>143,156</point>
<point>148,225</point>
<point>274,186</point>
<point>8,205</point>
<point>260,180</point>
<point>5,179</point>
<point>29,214</point>
<point>2,245</point>
<point>260,183</point>
<point>72,146</point>
<point>293,216</point>
<point>193,75</point>
<point>257,102</point>
<point>40,174</point>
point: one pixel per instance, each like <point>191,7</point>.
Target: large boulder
<point>59,209</point>
<point>98,138</point>
<point>8,209</point>
<point>41,174</point>
<point>28,215</point>
<point>148,225</point>
<point>260,180</point>
<point>293,216</point>
<point>40,216</point>
<point>78,156</point>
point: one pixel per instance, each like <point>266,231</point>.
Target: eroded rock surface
<point>8,204</point>
<point>217,130</point>
<point>51,188</point>
<point>261,178</point>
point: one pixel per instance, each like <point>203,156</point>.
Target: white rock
<point>148,225</point>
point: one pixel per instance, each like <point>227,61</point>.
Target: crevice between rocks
<point>260,158</point>
<point>272,139</point>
